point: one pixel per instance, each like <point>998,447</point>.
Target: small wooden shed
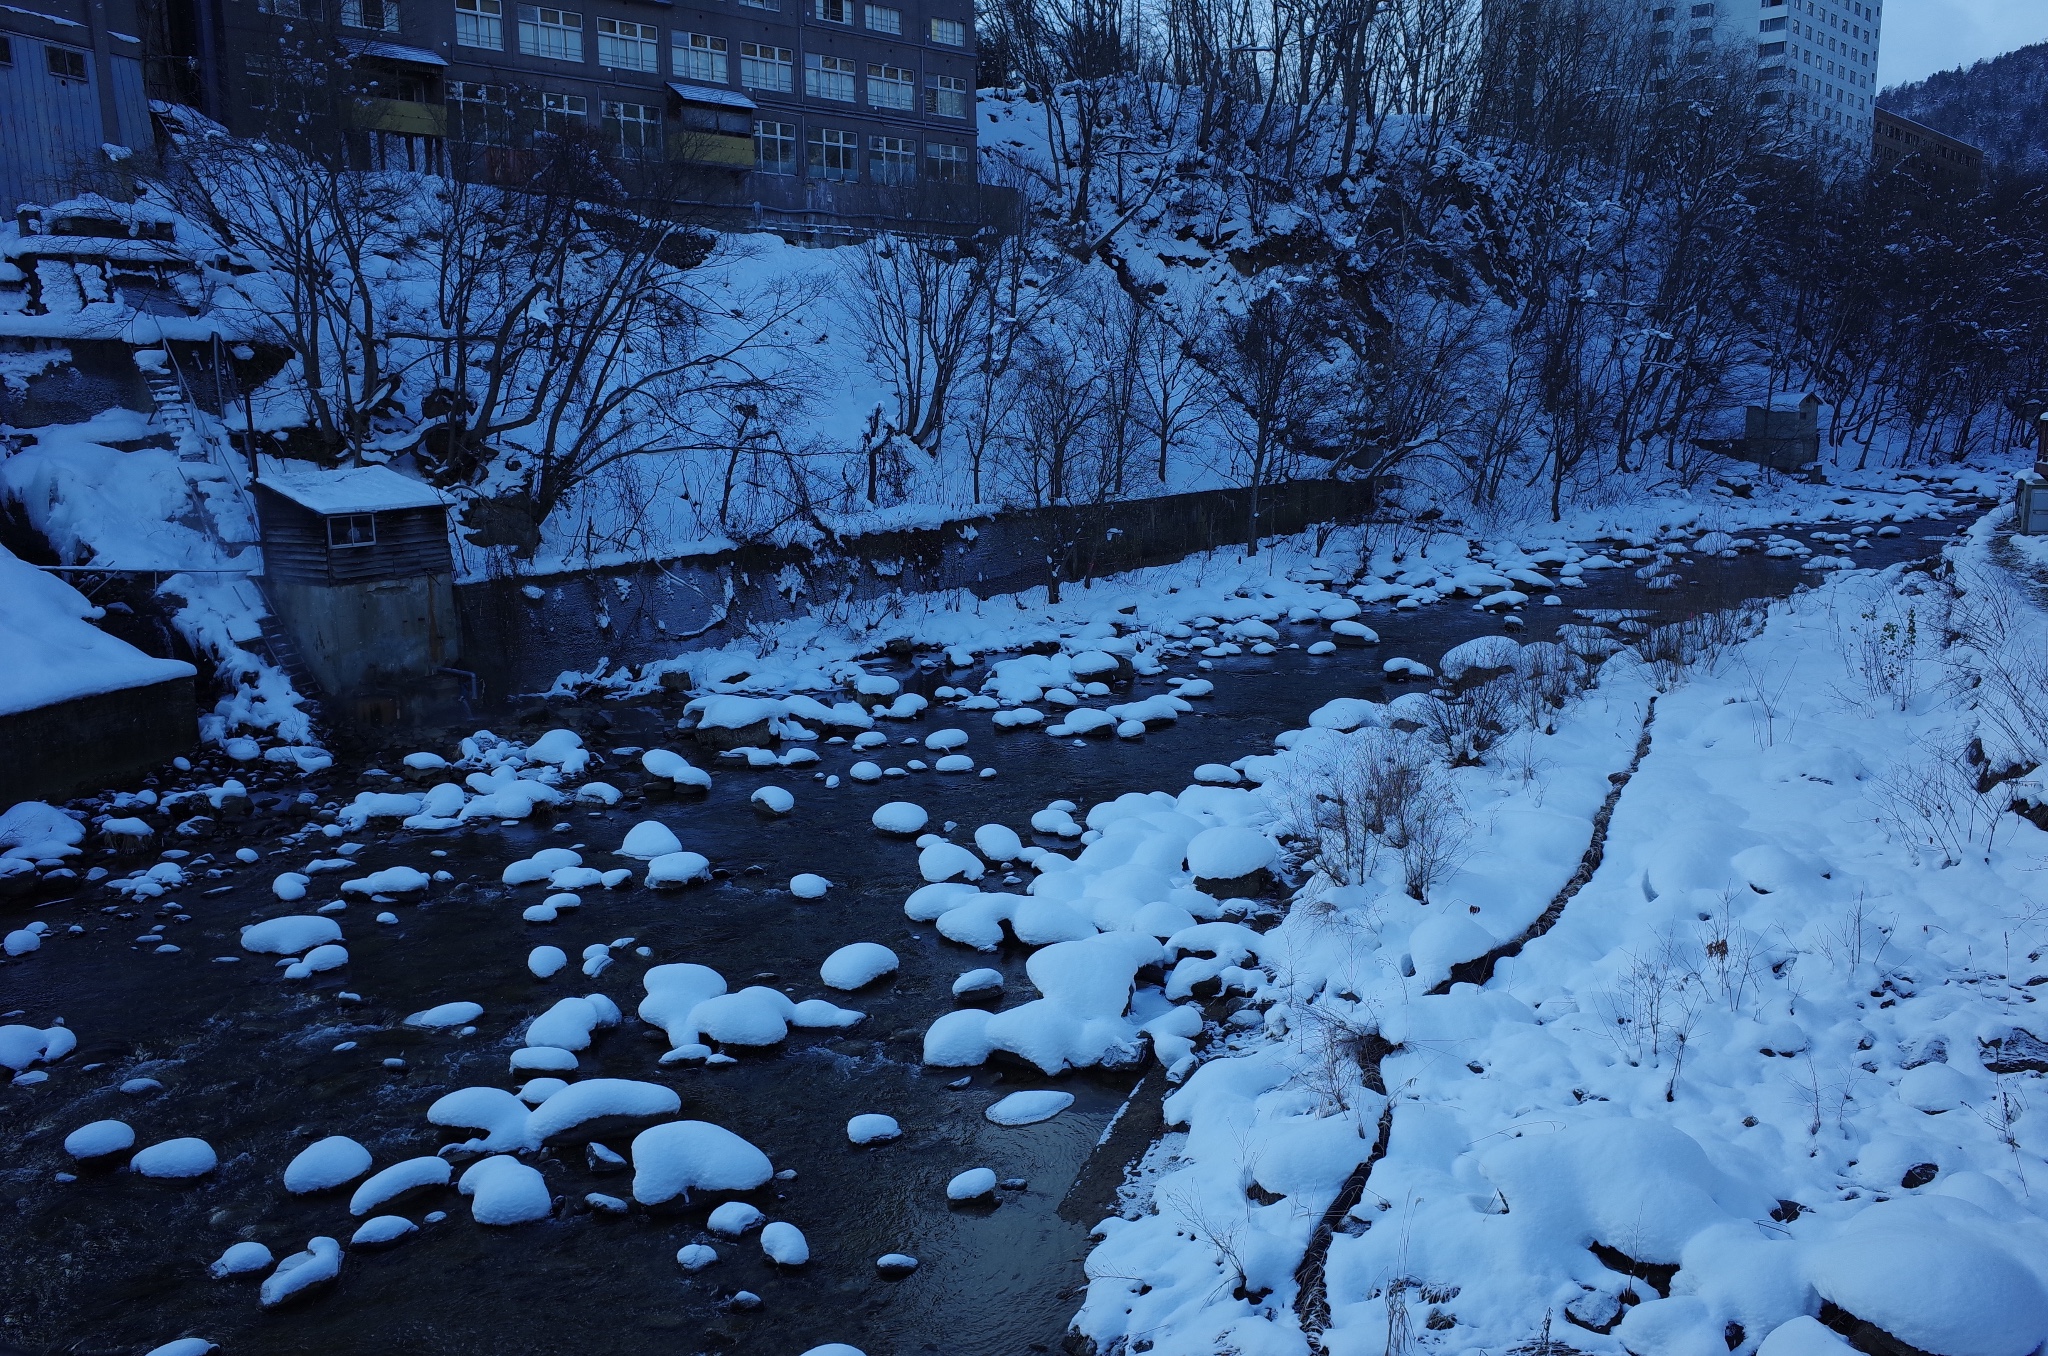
<point>358,568</point>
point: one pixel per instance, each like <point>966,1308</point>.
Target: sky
<point>1924,36</point>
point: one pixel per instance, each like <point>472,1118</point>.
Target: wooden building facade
<point>358,568</point>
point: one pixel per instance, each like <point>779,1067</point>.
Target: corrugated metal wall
<point>50,128</point>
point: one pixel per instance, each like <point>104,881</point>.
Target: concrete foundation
<point>371,634</point>
<point>72,747</point>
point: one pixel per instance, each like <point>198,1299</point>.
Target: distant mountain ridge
<point>2000,105</point>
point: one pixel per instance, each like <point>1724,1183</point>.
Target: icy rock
<point>1933,1275</point>
<point>650,839</point>
<point>835,1349</point>
<point>176,1159</point>
<point>696,1256</point>
<point>320,1262</point>
<point>392,880</point>
<point>895,1265</point>
<point>1345,713</point>
<point>675,768</point>
<point>1804,1336</point>
<point>1229,852</point>
<point>673,993</point>
<point>683,1156</point>
<point>21,1046</point>
<point>502,1190</point>
<point>188,1346</point>
<point>382,1231</point>
<point>809,886</point>
<point>900,817</point>
<point>954,762</point>
<point>773,800</point>
<point>540,866</point>
<point>865,772</point>
<point>321,958</point>
<point>326,1164</point>
<point>570,1021</point>
<point>400,1179</point>
<point>943,861</point>
<point>785,1244</point>
<point>290,886</point>
<point>755,1016</point>
<point>537,1090</point>
<point>873,1128</point>
<point>998,843</point>
<point>1934,1088</point>
<point>240,1259</point>
<point>446,1015</point>
<point>598,1098</point>
<point>857,965</point>
<point>545,961</point>
<point>978,984</point>
<point>99,1139</point>
<point>975,1184</point>
<point>543,1059</point>
<point>678,868</point>
<point>1029,1108</point>
<point>291,934</point>
<point>21,942</point>
<point>496,1112</point>
<point>733,1219</point>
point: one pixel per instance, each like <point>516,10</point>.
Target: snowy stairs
<point>199,448</point>
<point>284,653</point>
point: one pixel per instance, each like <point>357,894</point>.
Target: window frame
<point>818,66</point>
<point>569,36</point>
<point>355,542</point>
<point>936,87</point>
<point>821,148</point>
<point>645,51</point>
<point>786,134</point>
<point>898,83</point>
<point>683,51</point>
<point>479,16</point>
<point>387,14</point>
<point>653,140</point>
<point>892,161</point>
<point>779,60</point>
<point>961,162</point>
<point>561,104</point>
<point>894,27</point>
<point>933,30</point>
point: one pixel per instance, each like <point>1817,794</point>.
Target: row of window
<point>483,113</point>
<point>622,44</point>
<point>61,62</point>
<point>625,45</point>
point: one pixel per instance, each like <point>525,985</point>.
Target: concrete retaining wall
<point>64,750</point>
<point>654,610</point>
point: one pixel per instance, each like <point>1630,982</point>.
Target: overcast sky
<point>1925,36</point>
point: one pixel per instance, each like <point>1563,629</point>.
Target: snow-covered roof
<point>53,653</point>
<point>707,94</point>
<point>354,489</point>
<point>393,51</point>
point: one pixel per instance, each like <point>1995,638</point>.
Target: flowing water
<point>112,1263</point>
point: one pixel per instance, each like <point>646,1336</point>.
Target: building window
<point>833,154</point>
<point>480,23</point>
<point>480,113</point>
<point>883,19</point>
<point>379,16</point>
<point>699,57</point>
<point>1766,50</point>
<point>1776,25</point>
<point>892,160</point>
<point>6,50</point>
<point>891,87</point>
<point>634,130</point>
<point>949,32</point>
<point>775,147</point>
<point>945,96</point>
<point>352,529</point>
<point>623,45</point>
<point>563,112</point>
<point>946,164</point>
<point>833,11</point>
<point>1663,14</point>
<point>556,34</point>
<point>765,67</point>
<point>761,4</point>
<point>1705,11</point>
<point>66,64</point>
<point>284,9</point>
<point>828,77</point>
<point>1702,36</point>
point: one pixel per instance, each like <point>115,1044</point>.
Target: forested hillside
<point>2000,105</point>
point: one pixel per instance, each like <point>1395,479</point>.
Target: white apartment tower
<point>1818,58</point>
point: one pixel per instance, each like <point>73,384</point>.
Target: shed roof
<point>354,489</point>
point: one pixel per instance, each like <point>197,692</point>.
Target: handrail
<point>233,464</point>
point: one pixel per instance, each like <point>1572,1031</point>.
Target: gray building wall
<point>52,126</point>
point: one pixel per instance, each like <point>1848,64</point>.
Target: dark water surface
<point>112,1263</point>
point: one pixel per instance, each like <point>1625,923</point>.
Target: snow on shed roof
<point>393,51</point>
<point>354,489</point>
<point>705,94</point>
<point>53,653</point>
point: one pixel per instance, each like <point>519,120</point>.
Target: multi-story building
<point>71,94</point>
<point>789,114</point>
<point>1816,58</point>
<point>1935,158</point>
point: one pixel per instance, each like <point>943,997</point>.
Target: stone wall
<point>59,751</point>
